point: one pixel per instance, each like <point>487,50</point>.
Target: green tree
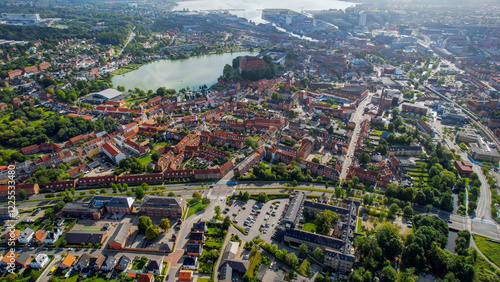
<point>364,158</point>
<point>275,96</point>
<point>324,221</point>
<point>165,224</point>
<point>217,210</point>
<point>155,156</point>
<point>408,211</point>
<point>394,209</point>
<point>318,254</point>
<point>152,232</point>
<point>196,195</point>
<point>389,274</point>
<point>144,223</point>
<point>303,249</point>
<point>226,223</point>
<point>262,197</point>
<point>139,193</point>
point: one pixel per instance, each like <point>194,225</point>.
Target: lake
<point>252,10</point>
<point>177,74</point>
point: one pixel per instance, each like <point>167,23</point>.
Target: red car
<point>77,249</point>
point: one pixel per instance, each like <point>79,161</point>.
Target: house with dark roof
<point>123,263</point>
<point>172,207</point>
<point>197,237</point>
<point>233,269</point>
<point>190,263</point>
<point>83,262</point>
<point>194,250</point>
<point>200,226</point>
<point>76,237</point>
<point>109,263</point>
<point>154,266</point>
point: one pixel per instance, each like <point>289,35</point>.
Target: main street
<point>357,118</point>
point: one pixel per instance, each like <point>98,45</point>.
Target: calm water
<point>192,72</point>
<point>252,10</point>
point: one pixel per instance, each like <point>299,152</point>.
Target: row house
<point>29,188</point>
<point>212,151</point>
<point>177,160</point>
<point>211,173</point>
<point>322,170</point>
<point>175,174</point>
<point>74,172</point>
<point>96,181</point>
<point>44,147</point>
<point>249,162</point>
<point>140,178</point>
<point>306,148</point>
<point>164,162</point>
<point>61,185</point>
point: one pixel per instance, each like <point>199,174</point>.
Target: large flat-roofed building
<point>163,206</point>
<point>483,154</point>
<point>294,209</point>
<point>466,138</point>
<point>109,94</point>
<point>21,18</point>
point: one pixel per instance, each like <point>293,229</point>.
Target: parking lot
<point>254,216</point>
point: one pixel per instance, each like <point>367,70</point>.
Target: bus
<point>52,270</point>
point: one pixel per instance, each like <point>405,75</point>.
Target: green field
<point>194,209</point>
<point>490,248</point>
<point>91,228</point>
<point>377,132</point>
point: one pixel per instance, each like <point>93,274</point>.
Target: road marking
<point>487,222</point>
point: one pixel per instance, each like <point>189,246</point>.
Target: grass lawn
<point>138,265</point>
<point>91,228</point>
<point>490,248</point>
<point>358,226</point>
<point>203,279</point>
<point>309,225</point>
<point>194,209</point>
<point>145,160</point>
<point>377,132</point>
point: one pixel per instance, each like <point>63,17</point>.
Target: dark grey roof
<point>200,225</point>
<point>123,262</point>
<point>294,208</point>
<point>189,261</point>
<point>157,201</point>
<point>196,236</point>
<point>23,258</point>
<point>193,248</point>
<point>341,256</point>
<point>84,259</point>
<point>316,205</point>
<point>120,202</point>
<point>324,241</point>
<point>79,236</point>
<point>153,265</point>
<point>231,265</point>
